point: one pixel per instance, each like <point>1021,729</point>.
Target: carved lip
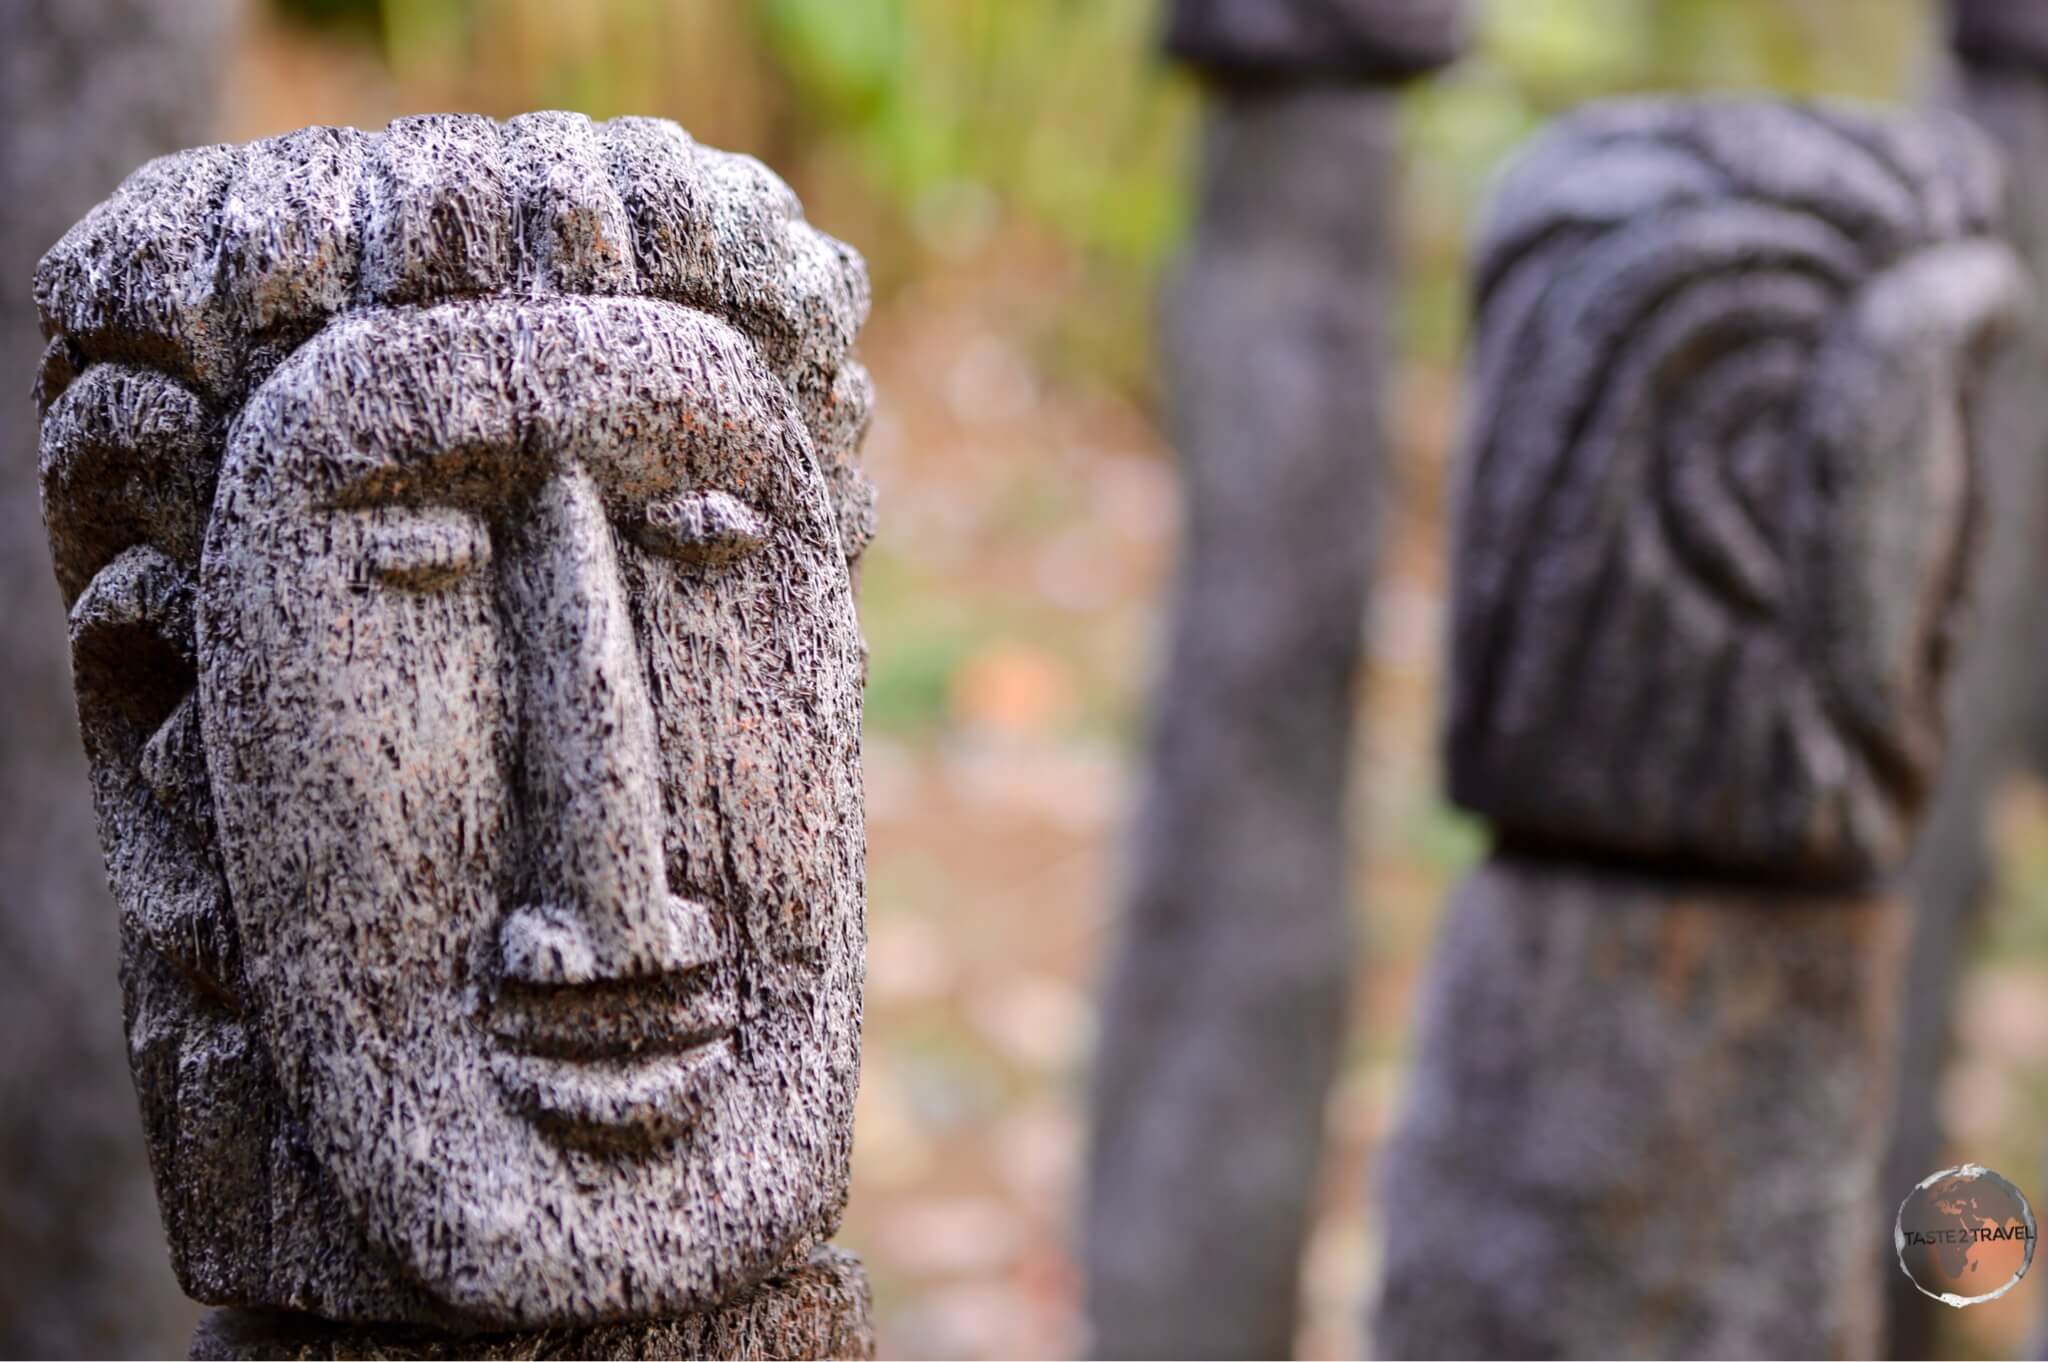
<point>614,1064</point>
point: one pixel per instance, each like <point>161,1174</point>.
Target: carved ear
<point>127,480</point>
<point>132,664</point>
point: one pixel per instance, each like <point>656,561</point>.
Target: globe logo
<point>1965,1235</point>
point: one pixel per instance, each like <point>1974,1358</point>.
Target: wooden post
<point>1998,77</point>
<point>1717,516</point>
<point>1223,1009</point>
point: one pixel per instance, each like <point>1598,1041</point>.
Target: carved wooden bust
<point>456,523</point>
<point>1719,483</point>
<point>1718,518</point>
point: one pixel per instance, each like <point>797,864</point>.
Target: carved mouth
<point>624,1064</point>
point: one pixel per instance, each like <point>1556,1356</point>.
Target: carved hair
<point>1717,484</point>
<point>167,307</point>
<point>208,267</point>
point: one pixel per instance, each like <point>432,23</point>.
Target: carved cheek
<point>751,672</point>
<point>363,805</point>
<point>420,693</point>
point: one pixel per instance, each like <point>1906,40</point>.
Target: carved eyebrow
<point>475,476</point>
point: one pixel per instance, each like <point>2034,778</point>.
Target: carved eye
<point>424,549</point>
<point>709,528</point>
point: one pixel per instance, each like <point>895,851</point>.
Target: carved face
<point>530,691</point>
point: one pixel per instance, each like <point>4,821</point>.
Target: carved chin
<point>587,1188</point>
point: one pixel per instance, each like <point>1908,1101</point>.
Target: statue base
<point>1647,1119</point>
<point>819,1309</point>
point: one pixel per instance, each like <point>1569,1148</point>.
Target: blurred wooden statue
<point>1998,76</point>
<point>1223,1009</point>
<point>1720,498</point>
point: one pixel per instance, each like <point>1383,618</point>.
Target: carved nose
<point>548,945</point>
<point>593,901</point>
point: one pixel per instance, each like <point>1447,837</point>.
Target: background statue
<point>456,527</point>
<point>1224,1004</point>
<point>1720,501</point>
